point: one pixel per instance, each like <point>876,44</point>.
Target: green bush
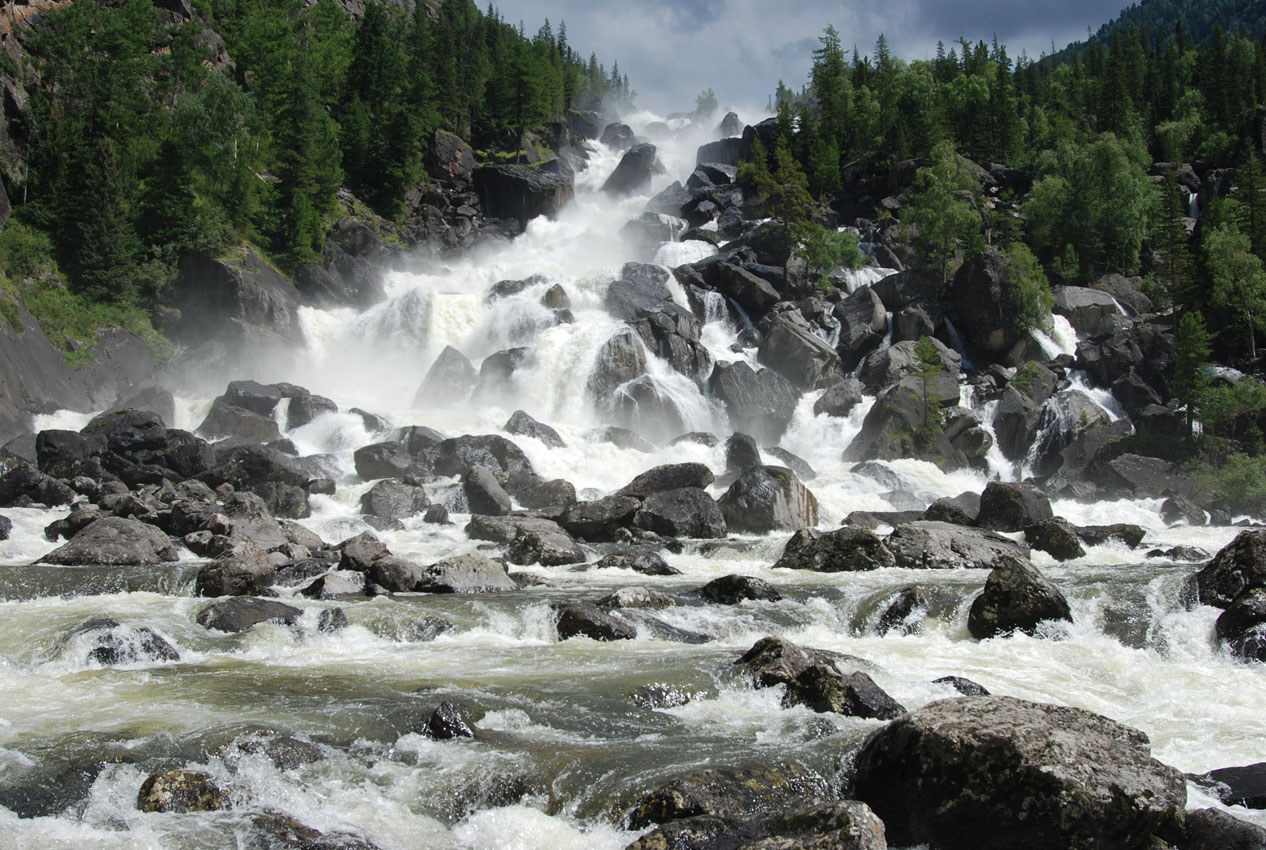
<point>1028,291</point>
<point>71,321</point>
<point>24,251</point>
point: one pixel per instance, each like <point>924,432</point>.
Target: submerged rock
<point>846,825</point>
<point>241,612</point>
<point>181,791</point>
<point>823,688</point>
<point>581,619</point>
<point>112,643</point>
<point>994,773</point>
<point>450,720</point>
<point>725,791</point>
<point>733,589</point>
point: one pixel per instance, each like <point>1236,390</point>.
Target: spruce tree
<point>1191,356</point>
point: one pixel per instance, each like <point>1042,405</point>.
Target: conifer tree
<point>1191,356</point>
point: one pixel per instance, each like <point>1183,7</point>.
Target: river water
<point>568,739</point>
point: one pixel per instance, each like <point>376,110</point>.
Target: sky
<point>674,49</point>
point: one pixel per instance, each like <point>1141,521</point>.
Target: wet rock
<point>6,527</point>
<point>646,562</point>
<point>285,833</point>
<point>840,398</point>
<point>897,425</point>
<point>768,498</point>
<point>1012,507</point>
<point>658,696</point>
<point>846,549</point>
<point>823,688</point>
<point>1239,786</point>
<point>960,510</point>
<point>671,476</point>
<point>305,408</point>
<point>357,553</point>
<point>741,454</point>
<point>1213,829</point>
<point>776,661</point>
<point>275,478</point>
<point>726,791</point>
<point>459,455</point>
<point>393,575</point>
<point>1181,553</point>
<point>111,644</point>
<point>795,463</point>
<point>246,570</point>
<point>22,485</point>
<point>547,546</point>
<point>332,620</point>
<point>468,573</point>
<point>449,380</point>
<point>484,493</point>
<point>1179,510</point>
<point>1240,625</point>
<point>997,772</point>
<point>1238,566</point>
<point>387,460</point>
<point>636,597</point>
<point>241,612</point>
<point>336,585</point>
<point>582,619</point>
<point>905,613</point>
<point>758,403</point>
<point>795,352</point>
<point>889,366</point>
<point>1056,537</point>
<point>639,164</point>
<point>1098,535</point>
<point>938,546</point>
<point>1016,598</point>
<point>733,589</point>
<point>846,825</point>
<point>524,425</point>
<point>863,321</point>
<point>450,720</point>
<point>966,687</point>
<point>66,454</point>
<point>390,501</point>
<point>598,520</point>
<point>180,791</point>
<point>115,541</point>
<point>683,512</point>
<point>521,192</point>
<point>227,420</point>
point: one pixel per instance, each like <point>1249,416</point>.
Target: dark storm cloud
<point>742,48</point>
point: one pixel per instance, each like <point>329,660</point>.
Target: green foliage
<point>926,366</point>
<point>706,103</point>
<point>24,251</point>
<point>1237,483</point>
<point>1191,358</point>
<point>1234,411</point>
<point>1027,289</point>
<point>1173,275</point>
<point>1238,279</point>
<point>823,250</point>
<point>70,321</point>
<point>943,213</point>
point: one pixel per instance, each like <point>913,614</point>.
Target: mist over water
<point>564,750</point>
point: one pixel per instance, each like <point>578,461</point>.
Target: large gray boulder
<point>1016,598</point>
<point>244,571</point>
<point>996,773</point>
<point>683,512</point>
<point>979,303</point>
<point>728,791</point>
<point>1085,308</point>
<point>115,541</point>
<point>1238,566</point>
<point>240,613</point>
<point>759,403</point>
<point>846,825</point>
<point>768,498</point>
<point>927,545</point>
<point>863,323</point>
<point>794,351</point>
<point>670,476</point>
<point>1012,507</point>
<point>522,193</point>
<point>903,424</point>
<point>845,549</point>
<point>639,164</point>
<point>465,574</point>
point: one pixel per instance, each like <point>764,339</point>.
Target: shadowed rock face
<point>986,773</point>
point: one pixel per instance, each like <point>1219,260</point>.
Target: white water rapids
<point>564,750</point>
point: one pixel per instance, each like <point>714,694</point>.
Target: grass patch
<point>71,322</point>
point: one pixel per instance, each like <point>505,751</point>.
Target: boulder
<point>889,366</point>
<point>1239,786</point>
<point>1056,537</point>
<point>754,295</point>
<point>901,425</point>
<point>645,561</point>
<point>759,403</point>
<point>522,193</point>
<point>845,549</point>
<point>768,498</point>
<point>617,136</point>
<point>109,643</point>
<point>216,299</point>
<point>450,158</point>
<point>469,573</point>
<point>733,589</point>
<point>792,350</point>
<point>639,164</point>
<point>1213,829</point>
<point>987,773</point>
<point>729,791</point>
<point>66,454</point>
<point>582,619</point>
<point>847,825</point>
<point>979,304</point>
<point>388,460</point>
<point>1124,533</point>
<point>524,425</point>
<point>776,661</point>
<point>840,398</point>
<point>390,501</point>
<point>1012,507</point>
<point>484,493</point>
<point>621,359</point>
<point>906,612</point>
<point>22,484</point>
<point>357,553</point>
<point>246,570</point>
<point>1238,566</point>
<point>823,688</point>
<point>115,541</point>
<point>671,476</point>
<point>636,597</point>
<point>939,545</point>
<point>1084,308</point>
<point>450,720</point>
<point>394,575</point>
<point>549,547</point>
<point>269,474</point>
<point>459,455</point>
<point>1240,625</point>
<point>598,520</point>
<point>450,380</point>
<point>863,321</point>
<point>181,791</point>
<point>1016,598</point>
<point>241,612</point>
<point>741,454</point>
<point>683,512</point>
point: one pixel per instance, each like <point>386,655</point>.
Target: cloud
<point>741,48</point>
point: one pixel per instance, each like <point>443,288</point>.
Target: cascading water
<point>324,727</point>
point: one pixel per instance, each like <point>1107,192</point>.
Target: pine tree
<point>1191,356</point>
<point>1174,270</point>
